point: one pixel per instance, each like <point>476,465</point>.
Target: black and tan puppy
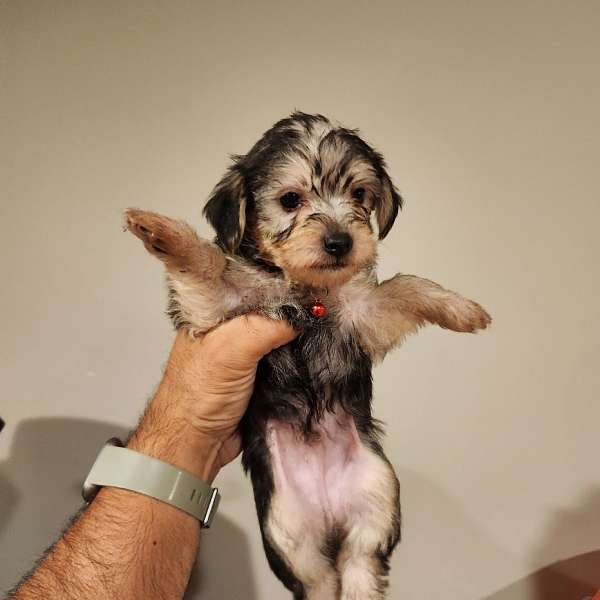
<point>295,222</point>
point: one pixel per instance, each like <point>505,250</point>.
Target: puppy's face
<point>302,200</point>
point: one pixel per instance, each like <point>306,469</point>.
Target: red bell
<point>318,309</point>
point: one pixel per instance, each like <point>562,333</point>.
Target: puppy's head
<point>302,199</point>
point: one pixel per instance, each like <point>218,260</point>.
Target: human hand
<point>192,420</point>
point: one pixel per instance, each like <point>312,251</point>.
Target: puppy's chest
<point>343,311</point>
<point>329,347</point>
<point>325,366</point>
<point>326,352</point>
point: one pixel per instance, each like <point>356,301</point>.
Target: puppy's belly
<point>325,484</point>
<point>318,473</point>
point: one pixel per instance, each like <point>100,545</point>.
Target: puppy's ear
<point>226,210</point>
<point>387,206</point>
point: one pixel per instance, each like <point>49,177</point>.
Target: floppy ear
<point>226,210</point>
<point>387,206</point>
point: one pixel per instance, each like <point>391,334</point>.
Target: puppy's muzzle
<point>337,244</point>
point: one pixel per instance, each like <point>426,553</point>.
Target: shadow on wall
<point>575,578</point>
<point>224,569</point>
<point>40,488</point>
<point>568,532</point>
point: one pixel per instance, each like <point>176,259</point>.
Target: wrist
<point>198,455</point>
<point>164,433</point>
<point>171,430</point>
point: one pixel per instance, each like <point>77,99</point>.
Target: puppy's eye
<point>290,200</point>
<point>358,194</point>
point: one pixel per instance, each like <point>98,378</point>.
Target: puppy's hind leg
<point>195,268</point>
<point>372,529</point>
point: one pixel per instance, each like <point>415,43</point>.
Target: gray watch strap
<point>131,470</point>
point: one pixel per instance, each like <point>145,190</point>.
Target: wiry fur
<point>327,498</point>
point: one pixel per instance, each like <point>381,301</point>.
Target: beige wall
<point>488,115</point>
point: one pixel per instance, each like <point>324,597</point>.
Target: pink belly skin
<point>324,473</point>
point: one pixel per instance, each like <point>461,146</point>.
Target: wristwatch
<point>121,467</point>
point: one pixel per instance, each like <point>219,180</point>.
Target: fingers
<point>237,344</point>
<point>252,336</point>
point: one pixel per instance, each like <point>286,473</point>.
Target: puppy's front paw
<point>461,314</point>
<point>161,235</point>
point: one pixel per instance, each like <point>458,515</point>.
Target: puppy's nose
<point>337,244</point>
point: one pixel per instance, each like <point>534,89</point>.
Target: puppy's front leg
<point>427,301</point>
<point>176,244</point>
<point>194,266</point>
<point>404,303</point>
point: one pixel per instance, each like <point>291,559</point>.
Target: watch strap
<point>130,470</point>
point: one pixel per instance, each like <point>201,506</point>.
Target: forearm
<point>126,545</point>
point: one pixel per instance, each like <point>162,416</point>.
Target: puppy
<point>297,221</point>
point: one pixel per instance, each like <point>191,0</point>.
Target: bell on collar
<point>318,309</point>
